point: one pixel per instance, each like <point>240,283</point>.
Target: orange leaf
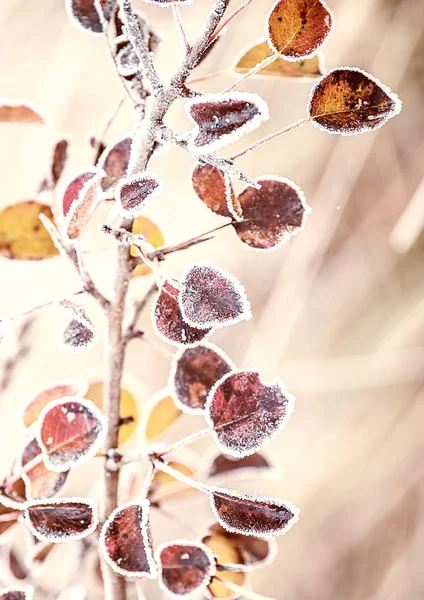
<point>14,112</point>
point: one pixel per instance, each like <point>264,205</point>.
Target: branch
<point>132,332</point>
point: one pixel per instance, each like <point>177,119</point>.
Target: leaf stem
<point>179,22</point>
<point>230,17</point>
<point>159,252</point>
<point>197,435</point>
<point>267,61</point>
<point>165,468</point>
<point>241,590</point>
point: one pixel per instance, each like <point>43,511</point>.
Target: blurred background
<point>338,311</point>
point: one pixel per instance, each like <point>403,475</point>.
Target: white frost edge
<point>392,95</point>
<point>207,577</point>
<point>168,3</point>
<point>275,382</point>
<point>254,498</point>
<point>173,371</point>
<point>286,235</point>
<point>240,474</point>
<point>28,590</point>
<point>246,313</point>
<point>147,411</point>
<point>138,210</point>
<point>83,347</point>
<point>91,451</point>
<point>106,194</point>
<point>144,524</point>
<point>76,23</point>
<point>227,138</point>
<point>122,70</point>
<point>57,501</point>
<point>301,56</point>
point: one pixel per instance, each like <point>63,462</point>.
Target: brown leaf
<point>16,594</point>
<point>161,417</point>
<point>34,407</point>
<point>80,199</point>
<point>58,163</point>
<point>298,28</point>
<point>133,193</point>
<point>184,567</point>
<point>5,525</point>
<point>348,101</point>
<point>226,465</point>
<point>15,112</point>
<point>22,234</point>
<point>39,481</point>
<point>209,184</point>
<point>114,161</point>
<point>84,13</point>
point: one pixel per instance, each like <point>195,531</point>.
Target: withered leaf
<point>348,101</point>
<point>298,28</point>
<point>16,112</point>
<point>114,162</point>
<point>209,184</point>
<point>39,481</point>
<point>80,199</point>
<point>34,407</point>
<point>185,567</point>
<point>84,13</point>
<point>134,193</point>
<point>226,465</point>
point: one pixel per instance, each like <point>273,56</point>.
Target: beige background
<point>338,312</point>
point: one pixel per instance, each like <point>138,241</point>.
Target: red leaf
<point>168,321</point>
<point>80,199</point>
<point>222,118</point>
<point>271,214</point>
<point>16,112</point>
<point>17,594</point>
<point>247,514</point>
<point>209,184</point>
<point>71,432</point>
<point>245,413</point>
<point>185,567</point>
<point>39,481</point>
<point>84,13</point>
<point>226,465</point>
<point>62,519</point>
<point>194,372</point>
<point>134,193</point>
<point>33,408</point>
<point>212,297</point>
<point>125,541</point>
<point>114,161</point>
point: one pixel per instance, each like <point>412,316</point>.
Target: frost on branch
<point>79,201</point>
<point>228,465</point>
<point>222,118</point>
<point>61,520</point>
<point>209,184</point>
<point>193,374</point>
<point>39,481</point>
<point>79,334</point>
<point>271,214</point>
<point>35,405</point>
<point>212,297</point>
<point>168,321</point>
<point>12,111</point>
<point>164,485</point>
<point>245,413</point>
<point>17,593</point>
<point>184,567</point>
<point>125,541</point>
<point>298,28</point>
<point>247,514</point>
<point>84,13</point>
<point>71,432</point>
<point>348,101</point>
<point>134,193</point>
<point>114,162</point>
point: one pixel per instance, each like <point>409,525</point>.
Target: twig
<point>186,441</point>
<point>267,61</point>
<point>108,124</point>
<point>165,468</point>
<point>203,237</point>
<point>179,22</point>
<point>139,306</point>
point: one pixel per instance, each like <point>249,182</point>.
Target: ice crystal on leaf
<point>114,162</point>
<point>84,13</point>
<point>80,200</point>
<point>16,593</point>
<point>79,334</point>
<point>134,193</point>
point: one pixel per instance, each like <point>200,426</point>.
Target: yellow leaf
<point>151,231</point>
<point>164,484</point>
<point>227,553</point>
<point>162,416</point>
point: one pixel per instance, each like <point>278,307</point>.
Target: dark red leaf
<point>209,184</point>
<point>226,465</point>
<point>271,214</point>
<point>15,594</point>
<point>39,481</point>
<point>247,514</point>
<point>185,567</point>
<point>222,118</point>
<point>71,432</point>
<point>194,372</point>
<point>80,199</point>
<point>134,193</point>
<point>125,541</point>
<point>168,321</point>
<point>62,519</point>
<point>212,297</point>
<point>114,161</point>
<point>84,13</point>
<point>245,413</point>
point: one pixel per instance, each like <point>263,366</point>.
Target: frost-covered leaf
<point>127,61</point>
<point>84,13</point>
<point>163,484</point>
<point>71,431</point>
<point>271,214</point>
<point>39,481</point>
<point>212,297</point>
<point>162,415</point>
<point>226,552</point>
<point>184,567</point>
<point>134,193</point>
<point>209,184</point>
<point>15,593</point>
<point>12,111</point>
<point>125,541</point>
<point>248,514</point>
<point>22,234</point>
<point>260,51</point>
<point>222,118</point>
<point>194,372</point>
<point>227,465</point>
<point>348,101</point>
<point>35,405</point>
<point>79,334</point>
<point>114,162</point>
<point>245,413</point>
<point>62,519</point>
<point>80,199</point>
<point>168,321</point>
<point>298,28</point>
<point>152,234</point>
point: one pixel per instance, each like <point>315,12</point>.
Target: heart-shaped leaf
<point>39,481</point>
<point>114,162</point>
<point>35,405</point>
<point>84,13</point>
<point>212,297</point>
<point>298,28</point>
<point>71,431</point>
<point>14,111</point>
<point>185,567</point>
<point>248,514</point>
<point>271,214</point>
<point>245,413</point>
<point>80,200</point>
<point>62,519</point>
<point>210,185</point>
<point>348,101</point>
<point>227,465</point>
<point>134,193</point>
<point>222,118</point>
<point>125,541</point>
<point>194,372</point>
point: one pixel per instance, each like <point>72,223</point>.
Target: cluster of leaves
<point>64,423</point>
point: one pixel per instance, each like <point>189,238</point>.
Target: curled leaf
<point>298,28</point>
<point>84,13</point>
<point>184,567</point>
<point>227,465</point>
<point>14,111</point>
<point>62,519</point>
<point>125,541</point>
<point>114,162</point>
<point>348,101</point>
<point>80,199</point>
<point>162,415</point>
<point>134,193</point>
<point>39,481</point>
<point>245,413</point>
<point>210,185</point>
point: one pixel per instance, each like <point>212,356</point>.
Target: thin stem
<point>267,61</point>
<point>165,468</point>
<point>272,136</point>
<point>108,124</point>
<point>179,22</point>
<point>139,583</point>
<point>11,516</point>
<point>40,306</point>
<point>230,17</point>
<point>26,469</point>
<point>186,441</point>
<point>138,309</point>
<point>208,77</point>
<point>159,252</point>
<point>241,590</point>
